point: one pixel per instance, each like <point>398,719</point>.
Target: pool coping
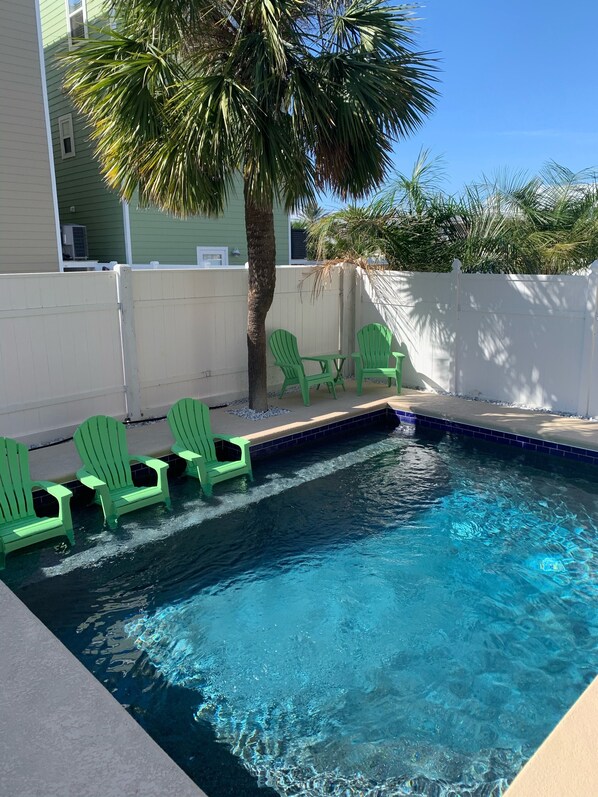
<point>493,435</point>
<point>549,432</point>
<point>560,754</point>
<point>319,432</point>
<point>566,763</point>
<point>487,433</point>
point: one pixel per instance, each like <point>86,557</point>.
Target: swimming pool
<point>403,615</point>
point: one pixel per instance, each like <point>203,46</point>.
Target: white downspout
<point>127,232</point>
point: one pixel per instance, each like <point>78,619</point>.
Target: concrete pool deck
<point>565,766</point>
<point>60,462</point>
<point>62,734</point>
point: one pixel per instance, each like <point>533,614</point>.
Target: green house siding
<point>28,240</point>
<point>158,236</point>
<point>83,197</point>
<point>282,232</point>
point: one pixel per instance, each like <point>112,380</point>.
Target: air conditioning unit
<point>74,241</point>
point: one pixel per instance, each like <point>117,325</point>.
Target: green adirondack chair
<point>102,445</point>
<point>283,345</point>
<point>375,341</point>
<point>189,421</point>
<point>20,527</point>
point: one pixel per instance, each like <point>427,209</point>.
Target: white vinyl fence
<point>521,339</point>
<point>60,352</point>
<point>130,343</point>
<point>191,330</point>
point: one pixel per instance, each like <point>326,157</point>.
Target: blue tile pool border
<point>260,450</point>
<point>389,414</point>
<point>517,441</point>
<point>384,415</point>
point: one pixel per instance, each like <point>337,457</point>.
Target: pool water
<point>404,615</point>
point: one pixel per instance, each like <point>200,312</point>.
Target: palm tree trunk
<point>261,250</point>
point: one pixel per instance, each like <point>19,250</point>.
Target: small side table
<point>337,360</point>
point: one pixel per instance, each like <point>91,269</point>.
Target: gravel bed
<point>253,415</point>
<point>527,407</point>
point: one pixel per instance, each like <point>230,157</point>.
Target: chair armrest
<point>159,467</point>
<point>398,355</point>
<point>195,459</point>
<point>102,489</point>
<point>58,491</point>
<point>151,462</point>
<point>189,456</point>
<point>91,481</point>
<point>63,495</point>
<point>356,356</point>
<point>242,442</point>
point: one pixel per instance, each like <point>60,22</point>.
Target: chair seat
<point>323,376</point>
<point>129,496</point>
<point>220,468</point>
<point>381,371</point>
<point>17,531</point>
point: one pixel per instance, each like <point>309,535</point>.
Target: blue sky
<point>518,86</point>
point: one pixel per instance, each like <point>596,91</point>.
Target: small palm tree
<point>291,96</point>
<point>550,221</point>
<point>513,224</point>
<point>406,226</point>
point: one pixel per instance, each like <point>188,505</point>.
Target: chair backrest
<point>283,345</point>
<point>374,345</point>
<point>189,421</point>
<point>16,496</point>
<point>102,445</point>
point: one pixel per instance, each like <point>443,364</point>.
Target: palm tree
<point>550,221</point>
<point>184,97</point>
<point>545,224</point>
<point>410,225</point>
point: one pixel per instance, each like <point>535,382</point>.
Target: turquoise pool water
<point>388,615</point>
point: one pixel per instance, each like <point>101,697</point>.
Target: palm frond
<point>295,96</point>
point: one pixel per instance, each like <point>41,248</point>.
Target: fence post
<point>456,272</point>
<point>128,340</point>
<point>589,343</point>
<point>347,316</point>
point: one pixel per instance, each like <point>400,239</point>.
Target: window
<point>212,256</point>
<point>67,139</point>
<point>76,17</point>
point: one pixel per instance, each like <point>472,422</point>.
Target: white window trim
<point>69,15</point>
<point>220,250</point>
<point>68,117</point>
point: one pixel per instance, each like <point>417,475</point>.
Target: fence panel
<point>421,311</point>
<point>519,339</point>
<point>191,330</point>
<point>60,353</point>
